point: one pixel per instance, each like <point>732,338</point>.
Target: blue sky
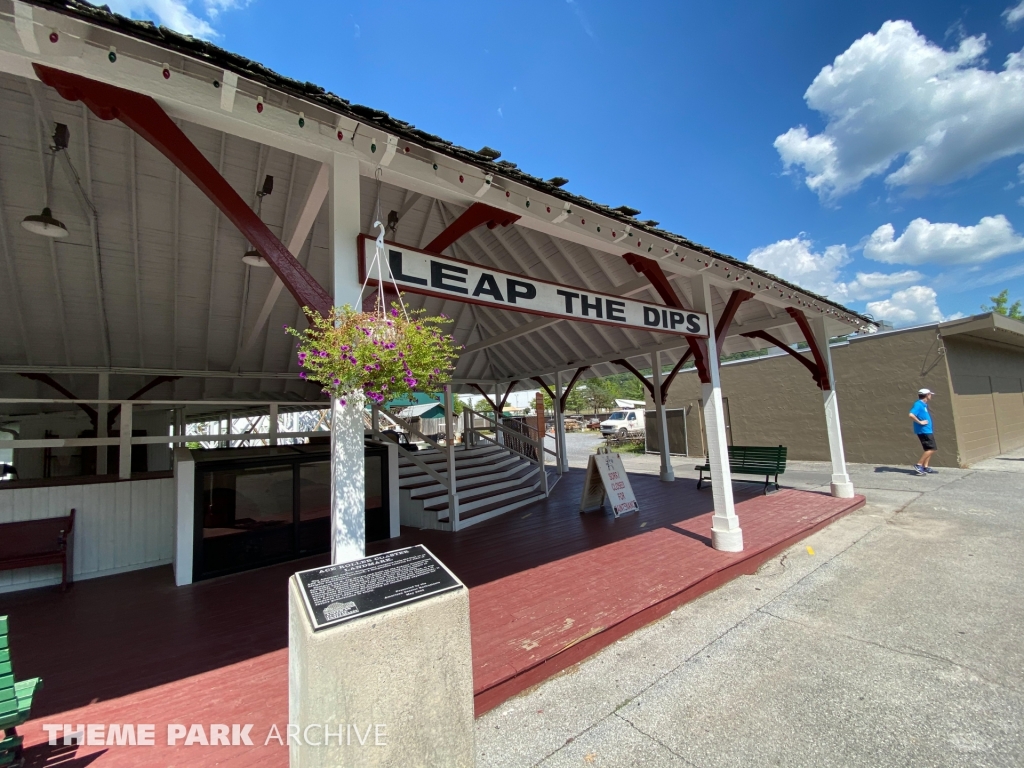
<point>871,151</point>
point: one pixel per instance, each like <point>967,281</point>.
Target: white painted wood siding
<point>119,527</point>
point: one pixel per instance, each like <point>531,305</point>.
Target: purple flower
<point>302,375</point>
<point>394,313</point>
<point>410,381</point>
<point>342,401</point>
<point>337,382</point>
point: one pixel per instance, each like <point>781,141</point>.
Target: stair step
<point>466,502</point>
<point>525,497</point>
<point>432,456</point>
<point>465,465</point>
<point>423,480</point>
<point>487,482</point>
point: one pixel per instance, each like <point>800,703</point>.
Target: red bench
<point>38,542</point>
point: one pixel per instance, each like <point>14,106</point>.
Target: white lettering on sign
<point>426,273</point>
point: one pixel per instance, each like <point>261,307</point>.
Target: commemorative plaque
<point>339,593</point>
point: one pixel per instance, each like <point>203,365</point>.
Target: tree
<point>575,402</point>
<point>1001,306</point>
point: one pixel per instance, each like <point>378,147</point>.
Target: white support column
<point>841,486</point>
<point>272,427</point>
<point>449,450</point>
<point>124,470</point>
<point>102,409</point>
<point>375,421</point>
<point>726,534</point>
<point>563,458</point>
<point>667,475</point>
<point>499,436</point>
<point>348,477</point>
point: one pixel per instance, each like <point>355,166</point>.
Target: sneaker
<point>929,470</point>
<point>919,470</point>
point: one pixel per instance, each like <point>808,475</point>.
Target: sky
<point>872,152</point>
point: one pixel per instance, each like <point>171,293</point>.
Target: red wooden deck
<point>548,587</point>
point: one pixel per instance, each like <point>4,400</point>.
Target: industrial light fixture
<point>44,223</point>
<point>252,257</point>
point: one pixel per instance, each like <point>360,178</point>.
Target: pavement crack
<point>655,739</point>
<point>912,653</point>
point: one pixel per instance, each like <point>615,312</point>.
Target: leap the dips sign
<point>426,273</point>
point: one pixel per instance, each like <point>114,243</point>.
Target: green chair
<point>15,703</point>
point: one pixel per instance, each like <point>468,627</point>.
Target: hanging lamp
<point>252,257</point>
<point>44,223</point>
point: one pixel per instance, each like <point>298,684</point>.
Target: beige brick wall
<point>774,401</point>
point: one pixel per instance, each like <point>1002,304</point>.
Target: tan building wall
<point>773,401</point>
<point>988,401</point>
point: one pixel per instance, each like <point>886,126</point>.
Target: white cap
<point>925,392</point>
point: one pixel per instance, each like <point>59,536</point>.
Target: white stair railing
<point>475,434</point>
<point>448,452</point>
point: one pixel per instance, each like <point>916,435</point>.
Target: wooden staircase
<point>490,480</point>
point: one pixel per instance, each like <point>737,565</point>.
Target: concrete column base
<point>727,540</point>
<point>667,475</point>
<point>402,679</point>
<point>843,490</point>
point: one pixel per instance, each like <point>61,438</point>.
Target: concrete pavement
<point>891,638</point>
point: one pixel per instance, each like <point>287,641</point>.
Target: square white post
<point>375,421</point>
<point>102,409</point>
<point>667,475</point>
<point>726,534</point>
<point>449,451</point>
<point>272,427</point>
<point>348,471</point>
<point>125,459</point>
<point>563,458</point>
<point>185,513</point>
<point>841,486</point>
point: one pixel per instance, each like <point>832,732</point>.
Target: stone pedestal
<point>397,685</point>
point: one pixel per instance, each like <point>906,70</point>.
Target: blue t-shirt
<point>920,410</point>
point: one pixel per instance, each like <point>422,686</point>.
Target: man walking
<point>924,430</point>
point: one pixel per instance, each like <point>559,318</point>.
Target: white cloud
<point>911,306</point>
<point>944,243</point>
<point>893,97</point>
<point>1014,13</point>
<point>177,14</point>
<point>796,261</point>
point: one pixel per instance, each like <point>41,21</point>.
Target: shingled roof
<point>486,159</point>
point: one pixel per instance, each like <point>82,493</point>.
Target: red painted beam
<point>808,364</point>
<point>144,116</point>
<point>643,379</point>
<point>568,389</point>
<point>544,386</point>
<point>486,397</point>
<point>721,329</point>
<point>470,219</point>
<point>812,342</point>
<point>504,399</point>
<point>652,270</point>
<point>112,414</point>
<point>51,382</point>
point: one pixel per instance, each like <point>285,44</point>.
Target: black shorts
<point>928,441</point>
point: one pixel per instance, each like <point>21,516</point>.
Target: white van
<point>623,423</point>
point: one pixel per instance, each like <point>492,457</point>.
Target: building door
<point>1009,408</point>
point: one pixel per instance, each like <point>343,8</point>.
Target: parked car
<point>622,423</point>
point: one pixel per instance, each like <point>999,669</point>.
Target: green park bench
<point>752,460</point>
<point>15,703</point>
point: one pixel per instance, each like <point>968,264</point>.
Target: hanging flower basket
<point>384,354</point>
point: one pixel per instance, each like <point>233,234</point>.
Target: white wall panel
<point>119,527</point>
